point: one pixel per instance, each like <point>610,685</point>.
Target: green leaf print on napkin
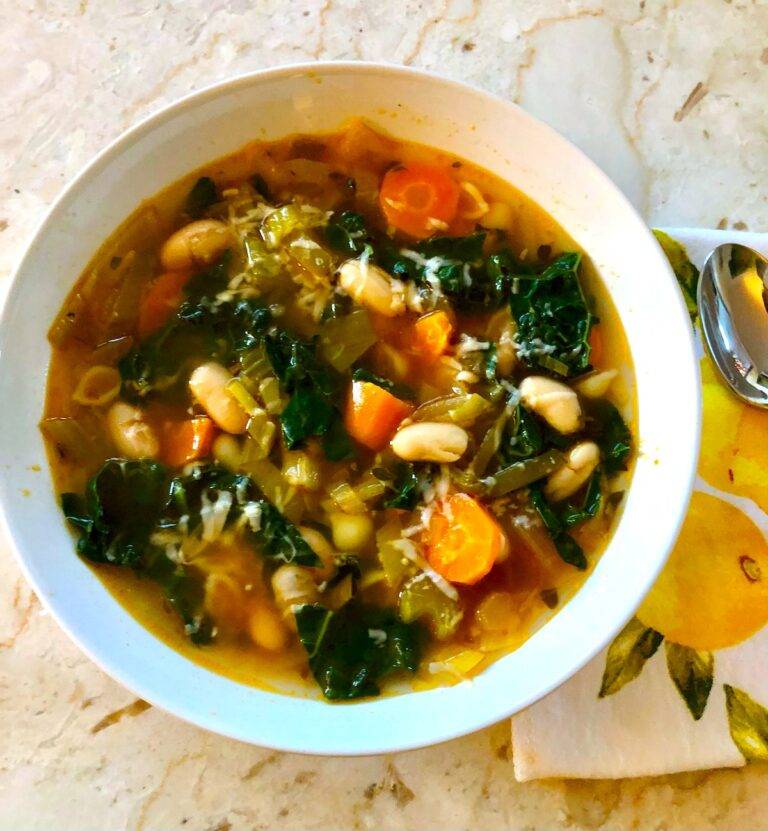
<point>692,671</point>
<point>627,655</point>
<point>748,723</point>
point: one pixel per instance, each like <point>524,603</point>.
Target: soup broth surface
<point>340,414</point>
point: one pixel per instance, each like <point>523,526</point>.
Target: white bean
<point>371,286</point>
<point>196,244</point>
<point>430,441</point>
<point>579,464</point>
<point>208,384</point>
<point>553,401</point>
<point>596,384</point>
<point>293,586</point>
<point>133,437</point>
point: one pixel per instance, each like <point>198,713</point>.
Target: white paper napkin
<point>645,729</point>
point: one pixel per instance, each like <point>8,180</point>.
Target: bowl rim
<point>210,720</point>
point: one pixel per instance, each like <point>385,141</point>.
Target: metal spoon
<point>733,304</point>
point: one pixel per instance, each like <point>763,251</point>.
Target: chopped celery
<point>311,256</point>
<point>269,390</point>
<point>553,364</point>
<point>247,402</point>
<point>421,598</point>
<point>519,474</point>
<point>370,488</point>
<point>261,261</point>
<point>462,409</point>
<point>254,364</point>
<point>344,339</point>
<point>77,440</point>
<point>346,498</point>
<point>271,483</point>
<point>301,470</point>
<point>294,217</point>
<point>262,432</point>
<point>489,445</point>
<point>395,565</point>
<point>97,386</point>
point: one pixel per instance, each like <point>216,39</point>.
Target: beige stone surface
<point>669,96</point>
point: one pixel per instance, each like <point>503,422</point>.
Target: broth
<point>451,581</point>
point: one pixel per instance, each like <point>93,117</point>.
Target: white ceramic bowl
<point>423,108</point>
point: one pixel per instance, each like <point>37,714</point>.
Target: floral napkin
<point>684,686</point>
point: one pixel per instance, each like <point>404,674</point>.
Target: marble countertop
<point>668,96</point>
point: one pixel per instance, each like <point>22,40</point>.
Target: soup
<point>340,413</point>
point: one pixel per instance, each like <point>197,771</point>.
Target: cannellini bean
<point>350,531</point>
<point>196,244</point>
<point>596,384</point>
<point>430,441</point>
<point>293,586</point>
<point>208,384</point>
<point>226,450</point>
<point>320,545</point>
<point>553,401</point>
<point>371,286</point>
<point>266,629</point>
<point>579,464</point>
<point>131,434</point>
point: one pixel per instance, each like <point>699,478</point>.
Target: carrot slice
<point>161,299</point>
<point>186,441</point>
<point>596,346</point>
<point>419,199</point>
<point>372,414</point>
<point>463,540</point>
<point>432,334</point>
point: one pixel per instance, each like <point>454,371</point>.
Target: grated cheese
<point>408,550</point>
<point>214,514</point>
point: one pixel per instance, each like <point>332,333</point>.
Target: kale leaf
<point>202,329</point>
<point>354,648</point>
<point>522,437</point>
<point>573,515</point>
<point>118,512</point>
<point>552,317</point>
<point>404,487</point>
<point>314,388</point>
<point>201,197</point>
<point>567,547</point>
<point>347,233</point>
<point>608,429</point>
<point>277,539</point>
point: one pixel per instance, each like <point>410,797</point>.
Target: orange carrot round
<point>185,441</point>
<point>161,299</point>
<point>419,199</point>
<point>372,414</point>
<point>463,540</point>
<point>432,334</point>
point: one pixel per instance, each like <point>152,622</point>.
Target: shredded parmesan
<point>214,514</point>
<point>378,636</point>
<point>408,550</point>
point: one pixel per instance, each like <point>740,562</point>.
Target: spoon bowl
<point>733,304</point>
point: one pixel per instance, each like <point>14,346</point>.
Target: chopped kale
<point>201,197</point>
<point>609,430</point>
<point>403,487</point>
<point>553,321</point>
<point>573,515</point>
<point>347,233</point>
<point>351,650</point>
<point>567,547</point>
